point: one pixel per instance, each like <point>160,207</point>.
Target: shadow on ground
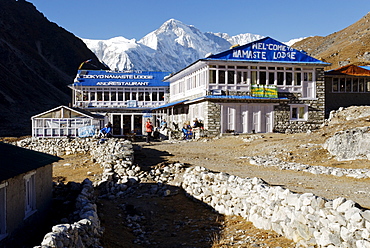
<point>157,215</point>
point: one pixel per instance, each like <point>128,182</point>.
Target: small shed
<point>64,121</point>
<point>25,189</point>
<point>347,86</point>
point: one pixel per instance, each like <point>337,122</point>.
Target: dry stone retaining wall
<point>111,153</point>
<point>305,218</point>
<point>83,233</point>
<point>270,161</point>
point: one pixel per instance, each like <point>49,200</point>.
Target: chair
<point>188,134</point>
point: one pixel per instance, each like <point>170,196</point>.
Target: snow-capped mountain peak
<point>173,46</point>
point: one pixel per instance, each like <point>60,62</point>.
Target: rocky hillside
<point>38,59</point>
<point>350,45</point>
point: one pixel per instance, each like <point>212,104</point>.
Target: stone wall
<point>316,110</point>
<point>307,219</point>
<point>83,233</point>
<point>350,144</point>
<point>114,155</point>
<point>213,124</point>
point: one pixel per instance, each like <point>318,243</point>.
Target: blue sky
<point>280,19</point>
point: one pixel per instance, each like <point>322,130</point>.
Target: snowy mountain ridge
<point>171,47</point>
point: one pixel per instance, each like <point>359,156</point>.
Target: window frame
<point>30,194</point>
<point>299,117</point>
<point>3,219</point>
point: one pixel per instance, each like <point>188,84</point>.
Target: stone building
<point>347,86</point>
<point>263,86</point>
<point>25,189</point>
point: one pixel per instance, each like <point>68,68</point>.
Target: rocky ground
<point>143,219</point>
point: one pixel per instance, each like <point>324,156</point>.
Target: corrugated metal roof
<point>170,104</point>
<point>241,97</point>
<point>352,70</point>
<point>76,110</point>
<point>15,160</point>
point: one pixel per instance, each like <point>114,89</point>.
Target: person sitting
<point>196,123</point>
<point>106,132</point>
<point>196,128</point>
<point>163,124</point>
<point>186,129</point>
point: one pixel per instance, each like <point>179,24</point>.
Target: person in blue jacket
<point>106,131</point>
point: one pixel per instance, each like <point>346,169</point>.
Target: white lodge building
<point>125,98</point>
<point>263,86</point>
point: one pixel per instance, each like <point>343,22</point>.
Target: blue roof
<point>242,97</point>
<point>121,78</point>
<point>169,104</point>
<point>266,50</point>
<point>218,97</point>
<point>365,67</point>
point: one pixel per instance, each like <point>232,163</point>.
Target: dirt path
<point>228,154</point>
<point>143,220</point>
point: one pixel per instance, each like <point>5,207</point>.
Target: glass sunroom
<point>64,122</point>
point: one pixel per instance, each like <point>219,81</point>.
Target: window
<point>113,96</point>
<point>307,76</point>
<point>297,78</point>
<point>147,96</point>
<point>355,85</point>
<point>120,96</point>
<point>127,96</point>
<point>105,96</point>
<point>133,95</point>
<point>271,77</point>
<point>78,96</point>
<point>3,210</point>
<point>92,96</point>
<point>155,96</point>
<point>85,96</point>
<point>335,85</point>
<point>221,77</point>
<point>361,85</point>
<point>280,78</point>
<point>348,85</point>
<point>289,78</point>
<point>262,77</point>
<point>161,96</point>
<point>298,112</point>
<point>230,77</point>
<point>30,188</point>
<point>342,84</point>
<point>99,96</point>
<point>241,77</point>
<point>212,77</point>
<point>254,77</point>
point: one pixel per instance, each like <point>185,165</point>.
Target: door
<point>117,122</point>
<point>126,124</point>
<point>269,119</point>
<point>245,118</point>
<point>138,124</point>
<point>256,123</point>
<point>228,118</point>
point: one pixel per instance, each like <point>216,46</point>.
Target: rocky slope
<point>38,59</point>
<point>349,45</point>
